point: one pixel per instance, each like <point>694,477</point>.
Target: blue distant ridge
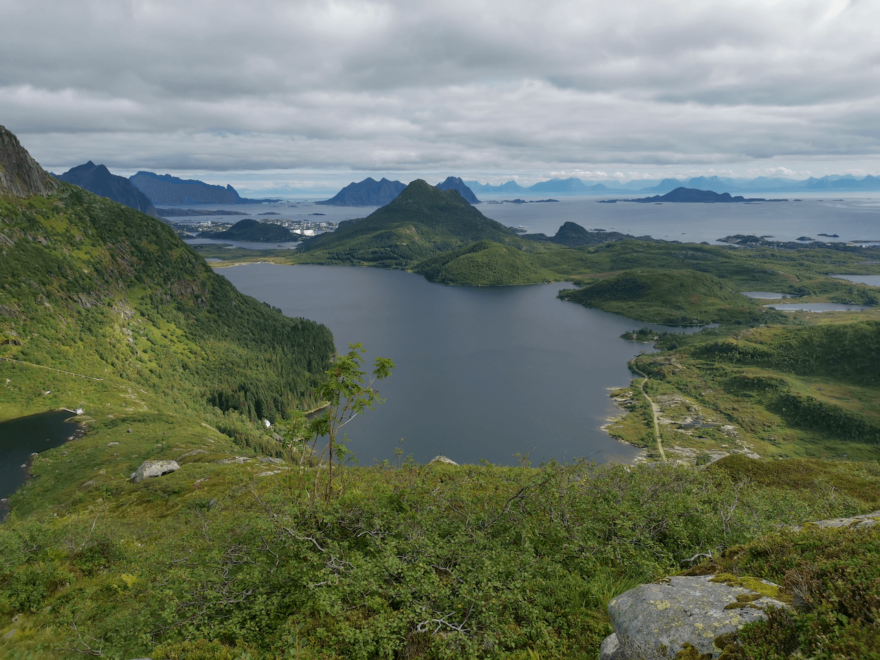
<point>575,186</point>
<point>170,190</point>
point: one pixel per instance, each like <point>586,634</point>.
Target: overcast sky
<point>296,92</point>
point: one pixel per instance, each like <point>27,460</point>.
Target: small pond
<point>818,307</point>
<point>870,280</point>
<point>765,295</point>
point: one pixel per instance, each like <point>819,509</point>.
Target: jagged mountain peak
<point>20,174</point>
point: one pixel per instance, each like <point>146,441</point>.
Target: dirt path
<point>40,366</point>
<point>653,411</point>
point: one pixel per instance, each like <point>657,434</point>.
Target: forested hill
<point>90,286</point>
<point>253,230</point>
<point>420,223</point>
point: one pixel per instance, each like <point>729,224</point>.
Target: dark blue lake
<point>482,373</point>
<point>19,438</point>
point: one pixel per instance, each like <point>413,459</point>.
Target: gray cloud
<point>456,86</point>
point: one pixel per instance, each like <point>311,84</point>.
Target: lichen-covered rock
<point>864,520</point>
<point>234,461</point>
<point>654,621</point>
<point>610,649</point>
<point>153,469</point>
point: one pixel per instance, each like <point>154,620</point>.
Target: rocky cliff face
<point>21,175</point>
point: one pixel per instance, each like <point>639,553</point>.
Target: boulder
<point>442,459</point>
<point>656,621</point>
<point>153,469</point>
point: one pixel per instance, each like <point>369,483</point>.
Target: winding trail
<point>40,366</point>
<point>653,410</point>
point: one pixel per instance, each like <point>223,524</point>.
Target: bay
<point>482,373</point>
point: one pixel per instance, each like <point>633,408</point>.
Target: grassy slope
<point>218,559</point>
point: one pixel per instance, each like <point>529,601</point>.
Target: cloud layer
<point>412,86</point>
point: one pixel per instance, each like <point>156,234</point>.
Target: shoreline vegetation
<point>228,555</point>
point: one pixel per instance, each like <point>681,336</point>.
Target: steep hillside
<point>368,192</point>
<point>99,180</point>
<point>420,223</point>
<point>93,287</point>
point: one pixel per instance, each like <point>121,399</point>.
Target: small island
<point>253,231</point>
<point>693,196</point>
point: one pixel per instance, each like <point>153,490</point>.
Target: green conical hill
<point>420,223</point>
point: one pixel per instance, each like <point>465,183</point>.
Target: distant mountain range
<point>574,186</point>
<point>370,192</point>
<point>170,190</point>
<point>99,180</point>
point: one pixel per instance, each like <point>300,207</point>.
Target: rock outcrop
<point>656,621</point>
<point>150,469</point>
<point>21,175</point>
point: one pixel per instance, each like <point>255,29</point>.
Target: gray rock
<point>112,444</point>
<point>191,453</point>
<point>653,621</point>
<point>856,522</point>
<point>270,459</point>
<point>236,459</point>
<point>610,649</point>
<point>153,469</point>
<point>442,459</point>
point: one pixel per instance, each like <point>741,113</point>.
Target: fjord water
<point>482,373</point>
<point>19,438</point>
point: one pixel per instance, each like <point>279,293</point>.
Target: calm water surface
<point>818,307</point>
<point>482,373</point>
<point>870,280</point>
<point>19,438</point>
